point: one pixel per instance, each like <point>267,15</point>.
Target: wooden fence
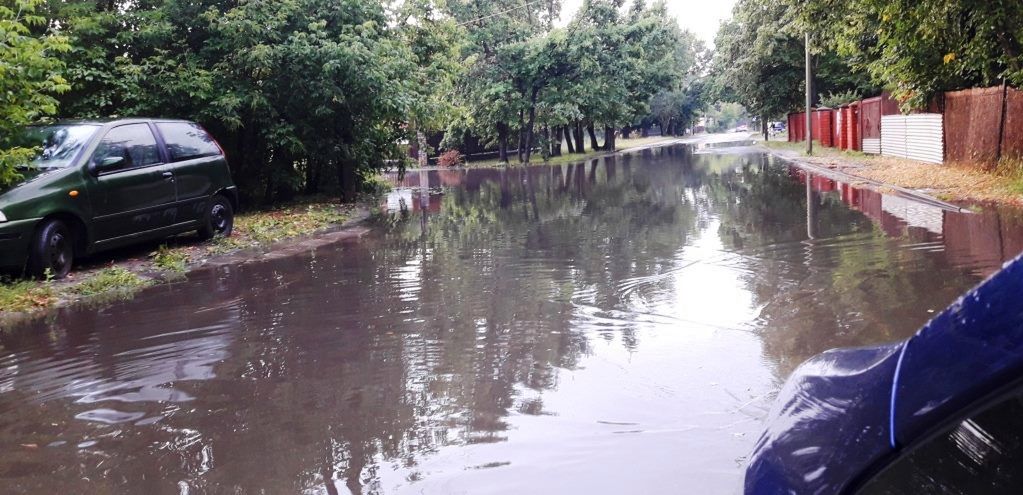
<point>983,125</point>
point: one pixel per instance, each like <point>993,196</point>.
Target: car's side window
<point>980,454</point>
<point>134,144</point>
<point>186,141</point>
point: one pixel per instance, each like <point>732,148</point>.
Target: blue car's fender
<point>843,413</point>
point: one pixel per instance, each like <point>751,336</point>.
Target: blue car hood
<point>844,410</point>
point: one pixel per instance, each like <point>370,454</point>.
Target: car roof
<point>117,120</point>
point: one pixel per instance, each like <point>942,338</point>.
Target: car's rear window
<point>977,455</point>
<point>186,141</point>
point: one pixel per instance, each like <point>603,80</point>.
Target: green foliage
<point>30,76</point>
<point>114,282</point>
<point>724,116</point>
<point>302,94</point>
<point>761,63</point>
<point>168,259</point>
<point>25,295</point>
<point>374,185</point>
<point>526,80</point>
<point>920,48</point>
<point>835,100</point>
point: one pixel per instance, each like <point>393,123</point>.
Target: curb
<point>873,184</point>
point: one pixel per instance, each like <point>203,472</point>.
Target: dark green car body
<point>147,191</point>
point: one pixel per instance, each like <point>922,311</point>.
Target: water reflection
<point>617,325</point>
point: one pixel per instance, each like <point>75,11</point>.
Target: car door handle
<point>168,175</point>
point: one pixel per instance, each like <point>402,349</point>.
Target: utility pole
<point>809,92</point>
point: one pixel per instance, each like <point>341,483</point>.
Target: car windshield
<point>56,146</point>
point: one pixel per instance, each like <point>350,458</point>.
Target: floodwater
<point>614,326</point>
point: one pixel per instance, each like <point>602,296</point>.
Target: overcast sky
<point>702,17</point>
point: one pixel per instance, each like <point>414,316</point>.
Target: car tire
<point>52,250</point>
<point>218,220</point>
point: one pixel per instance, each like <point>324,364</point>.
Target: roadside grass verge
<point>26,295</point>
<point>122,274</point>
<point>962,183</point>
<point>262,228</point>
<point>1012,170</point>
<point>110,284</point>
<point>169,259</point>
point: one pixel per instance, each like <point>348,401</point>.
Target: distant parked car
<point>742,128</point>
<point>97,185</point>
<point>940,412</point>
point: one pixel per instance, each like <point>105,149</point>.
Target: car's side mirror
<point>107,164</point>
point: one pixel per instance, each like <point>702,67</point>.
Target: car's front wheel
<point>52,250</point>
<point>219,219</point>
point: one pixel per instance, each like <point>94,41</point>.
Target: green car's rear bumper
<point>14,240</point>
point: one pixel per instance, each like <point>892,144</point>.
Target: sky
<point>702,17</point>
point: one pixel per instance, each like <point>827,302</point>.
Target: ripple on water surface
<point>613,326</point>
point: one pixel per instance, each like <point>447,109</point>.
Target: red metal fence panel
<point>870,125</point>
<point>888,105</point>
<point>870,118</point>
<point>823,130</point>
<point>852,138</point>
<point>972,124</point>
<point>796,133</point>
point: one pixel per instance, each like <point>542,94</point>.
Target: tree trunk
<point>555,141</point>
<point>545,146</point>
<point>763,127</point>
<point>502,142</point>
<point>346,175</point>
<point>529,127</point>
<point>626,132</point>
<point>645,131</point>
<point>268,193</point>
<point>346,179</point>
<point>609,138</point>
<point>568,138</point>
<point>422,159</point>
<point>593,137</point>
<point>522,137</point>
<point>580,144</point>
<point>312,176</point>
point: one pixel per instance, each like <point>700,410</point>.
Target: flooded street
<point>614,326</point>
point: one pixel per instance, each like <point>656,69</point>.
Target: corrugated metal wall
<point>925,137</point>
<point>893,135</point>
<point>917,137</point>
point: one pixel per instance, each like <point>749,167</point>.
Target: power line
<point>502,12</point>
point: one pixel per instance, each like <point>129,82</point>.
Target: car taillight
<point>219,147</point>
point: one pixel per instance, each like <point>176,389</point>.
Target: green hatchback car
<point>97,185</point>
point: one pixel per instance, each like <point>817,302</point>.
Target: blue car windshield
<point>56,146</point>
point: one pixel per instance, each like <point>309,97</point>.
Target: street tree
<point>30,78</point>
<point>920,48</point>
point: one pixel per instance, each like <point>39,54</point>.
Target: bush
<point>451,158</point>
<point>835,100</point>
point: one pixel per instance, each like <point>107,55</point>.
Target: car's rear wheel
<point>219,219</point>
<point>52,251</point>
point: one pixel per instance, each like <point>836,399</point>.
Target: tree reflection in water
<point>463,311</point>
